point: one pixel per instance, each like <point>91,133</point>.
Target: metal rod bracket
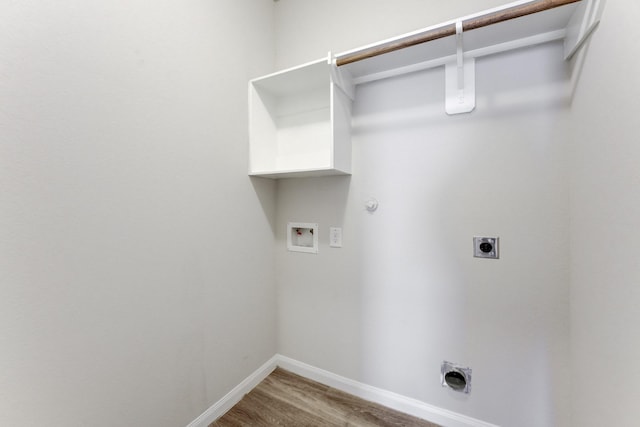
<point>582,24</point>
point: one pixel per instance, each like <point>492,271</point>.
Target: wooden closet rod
<point>450,30</point>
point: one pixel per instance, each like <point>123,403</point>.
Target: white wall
<point>605,237</point>
<point>136,256</point>
<point>405,293</point>
<point>307,30</point>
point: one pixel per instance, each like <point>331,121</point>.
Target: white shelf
<point>528,30</point>
<point>299,124</point>
<point>300,118</point>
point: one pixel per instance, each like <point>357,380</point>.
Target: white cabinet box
<point>299,124</point>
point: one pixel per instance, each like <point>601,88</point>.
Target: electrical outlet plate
<point>335,237</point>
<point>486,247</point>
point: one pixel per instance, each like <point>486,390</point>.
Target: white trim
<point>223,405</point>
<point>389,399</point>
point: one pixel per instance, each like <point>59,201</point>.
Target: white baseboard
<point>223,405</point>
<point>389,399</point>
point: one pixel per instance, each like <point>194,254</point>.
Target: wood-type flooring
<point>288,400</point>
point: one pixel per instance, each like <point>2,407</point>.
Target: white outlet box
<point>302,237</point>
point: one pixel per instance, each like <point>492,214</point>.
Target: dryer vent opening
<point>455,377</point>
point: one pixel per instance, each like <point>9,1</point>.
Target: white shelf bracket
<point>582,24</point>
<point>460,57</point>
<point>460,79</point>
<point>341,78</point>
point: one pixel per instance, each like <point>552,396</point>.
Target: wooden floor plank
<point>285,399</point>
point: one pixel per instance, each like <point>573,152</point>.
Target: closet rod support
<point>460,55</point>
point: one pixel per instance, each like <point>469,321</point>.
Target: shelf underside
<point>299,173</point>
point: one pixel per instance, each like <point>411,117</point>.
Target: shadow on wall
<point>545,85</point>
<point>320,199</point>
<point>265,190</point>
<point>316,297</point>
